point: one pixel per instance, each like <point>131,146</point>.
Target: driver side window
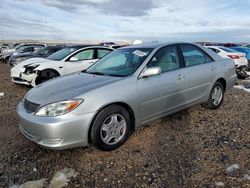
<point>84,55</point>
<point>166,58</point>
<point>29,49</point>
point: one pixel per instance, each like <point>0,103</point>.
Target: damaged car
<point>71,59</point>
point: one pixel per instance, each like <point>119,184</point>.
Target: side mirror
<point>73,59</point>
<point>152,71</point>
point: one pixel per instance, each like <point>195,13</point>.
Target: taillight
<point>234,56</point>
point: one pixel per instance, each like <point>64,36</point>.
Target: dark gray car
<point>126,89</point>
<point>43,53</point>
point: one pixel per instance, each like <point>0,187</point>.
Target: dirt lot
<point>192,148</point>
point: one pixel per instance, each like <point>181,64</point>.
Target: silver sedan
<point>126,89</point>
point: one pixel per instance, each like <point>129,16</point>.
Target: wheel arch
<point>36,81</point>
<point>48,69</point>
<point>223,82</point>
<point>124,105</point>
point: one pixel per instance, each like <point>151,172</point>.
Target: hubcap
<point>217,95</point>
<point>113,129</point>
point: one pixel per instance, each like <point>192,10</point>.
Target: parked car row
<point>43,53</point>
<point>21,49</point>
<point>102,102</point>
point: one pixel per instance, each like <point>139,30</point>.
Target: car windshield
<point>41,51</point>
<point>22,48</point>
<point>122,62</point>
<point>18,47</point>
<point>61,54</point>
<point>227,49</point>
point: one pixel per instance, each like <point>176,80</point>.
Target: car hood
<point>22,55</point>
<point>68,87</point>
<point>32,61</point>
<point>17,54</point>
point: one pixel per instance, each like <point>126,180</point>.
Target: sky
<point>114,20</point>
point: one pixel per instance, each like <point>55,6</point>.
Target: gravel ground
<point>193,148</point>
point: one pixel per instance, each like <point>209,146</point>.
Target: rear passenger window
<point>194,56</point>
<point>85,55</point>
<point>166,58</point>
<point>102,52</point>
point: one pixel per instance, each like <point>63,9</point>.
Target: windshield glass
<point>17,47</point>
<point>122,62</point>
<point>41,51</point>
<point>61,54</point>
<point>22,48</point>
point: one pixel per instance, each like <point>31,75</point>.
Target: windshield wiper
<point>96,73</point>
<point>104,74</point>
<point>117,75</point>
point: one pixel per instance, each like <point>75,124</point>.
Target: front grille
<point>30,106</point>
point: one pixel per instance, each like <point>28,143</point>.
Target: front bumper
<point>60,132</point>
<point>18,76</point>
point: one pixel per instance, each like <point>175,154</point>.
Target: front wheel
<point>216,96</point>
<point>111,128</point>
<point>45,75</point>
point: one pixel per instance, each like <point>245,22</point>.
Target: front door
<point>80,61</point>
<point>162,93</point>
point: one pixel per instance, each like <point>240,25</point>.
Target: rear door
<point>162,93</point>
<point>200,71</point>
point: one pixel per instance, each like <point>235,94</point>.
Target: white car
<point>239,58</point>
<point>68,60</point>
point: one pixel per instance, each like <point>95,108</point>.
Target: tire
<point>46,75</point>
<point>213,103</point>
<point>111,128</point>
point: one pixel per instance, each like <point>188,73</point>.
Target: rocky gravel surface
<point>193,148</point>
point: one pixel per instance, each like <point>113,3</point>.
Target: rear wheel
<point>111,128</point>
<point>45,75</point>
<point>216,96</point>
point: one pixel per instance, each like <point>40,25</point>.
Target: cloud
<point>26,28</point>
<point>132,8</point>
<point>126,19</point>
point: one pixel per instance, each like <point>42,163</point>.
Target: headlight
<point>30,69</point>
<point>58,108</point>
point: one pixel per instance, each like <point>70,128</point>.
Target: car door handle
<point>181,77</point>
<point>91,62</point>
<point>213,68</point>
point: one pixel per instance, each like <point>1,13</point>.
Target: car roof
<point>55,47</point>
<point>156,45</point>
<point>79,46</point>
<point>216,47</point>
